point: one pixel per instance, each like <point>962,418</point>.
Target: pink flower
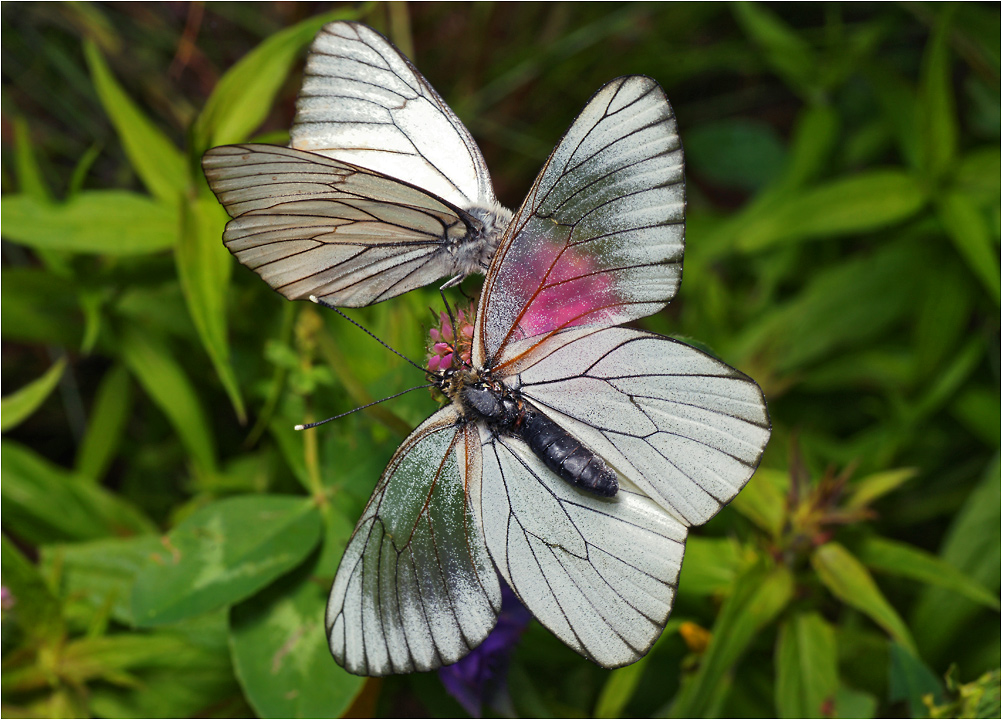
<point>444,344</point>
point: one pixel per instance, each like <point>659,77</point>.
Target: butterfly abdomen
<point>566,456</point>
<point>557,448</point>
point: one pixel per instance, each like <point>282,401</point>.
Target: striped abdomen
<point>566,456</point>
<point>558,449</point>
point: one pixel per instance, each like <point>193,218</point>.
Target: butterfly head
<point>474,253</point>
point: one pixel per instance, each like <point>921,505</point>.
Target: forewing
<point>599,239</point>
<point>310,225</point>
<point>363,102</point>
<point>416,588</point>
<point>600,573</point>
<point>685,428</point>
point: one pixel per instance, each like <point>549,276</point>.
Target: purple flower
<point>481,677</point>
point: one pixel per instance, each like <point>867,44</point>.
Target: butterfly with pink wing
<point>573,454</point>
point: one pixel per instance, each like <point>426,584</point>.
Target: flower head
<point>446,343</point>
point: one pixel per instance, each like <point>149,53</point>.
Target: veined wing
<point>684,427</point>
<point>363,102</point>
<point>599,239</point>
<point>311,225</point>
<point>416,588</point>
<point>600,573</point>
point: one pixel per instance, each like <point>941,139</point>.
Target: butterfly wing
<point>599,239</point>
<point>685,428</point>
<point>416,588</point>
<point>600,573</point>
<point>599,242</point>
<point>311,225</point>
<point>363,102</point>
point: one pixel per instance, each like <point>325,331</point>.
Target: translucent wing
<point>685,428</point>
<point>416,588</point>
<point>599,573</point>
<point>599,238</point>
<point>363,102</point>
<point>310,225</point>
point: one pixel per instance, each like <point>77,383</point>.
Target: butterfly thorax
<point>483,398</point>
<point>473,252</point>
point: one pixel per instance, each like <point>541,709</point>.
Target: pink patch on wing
<point>573,291</point>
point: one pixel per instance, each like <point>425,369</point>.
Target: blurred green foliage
<point>169,540</point>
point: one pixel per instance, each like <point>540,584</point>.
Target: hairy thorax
<point>474,252</point>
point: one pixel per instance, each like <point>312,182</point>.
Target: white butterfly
<point>382,191</point>
<point>574,455</point>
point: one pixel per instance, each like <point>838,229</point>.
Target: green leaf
<point>106,424</point>
<point>815,136</point>
<point>37,306</point>
<point>204,266</point>
<point>844,306</point>
<point>619,689</point>
<point>850,582</point>
<point>851,703</point>
<point>106,657</point>
<point>191,676</point>
<point>45,503</point>
<point>867,490</point>
<point>847,206</point>
<point>82,169</point>
<point>978,407</point>
<point>978,174</point>
<point>280,649</point>
<point>223,553</point>
<point>100,573</point>
<point>244,95</point>
<point>807,667</point>
<point>735,153</point>
<point>910,679</point>
<point>758,597</point>
<point>35,609</point>
<point>967,227</point>
<point>789,55</point>
<point>763,500</point>
<point>711,566</point>
<point>166,383</point>
<point>899,106</point>
<point>29,175</point>
<point>17,406</point>
<point>943,314</point>
<point>972,546</point>
<point>949,380</point>
<point>109,222</point>
<point>898,558</point>
<point>937,120</point>
<point>159,164</point>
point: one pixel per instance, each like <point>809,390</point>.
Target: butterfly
<point>573,454</point>
<point>383,189</point>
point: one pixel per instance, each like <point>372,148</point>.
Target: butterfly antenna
<point>452,319</point>
<point>318,301</point>
<point>463,293</point>
<point>363,407</point>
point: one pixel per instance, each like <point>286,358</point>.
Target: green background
<point>169,540</point>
